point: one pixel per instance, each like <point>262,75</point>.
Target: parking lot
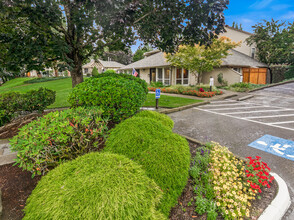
<point>236,124</point>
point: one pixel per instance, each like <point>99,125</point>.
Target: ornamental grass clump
<point>162,118</point>
<point>233,193</point>
<point>164,155</point>
<point>95,186</point>
<point>57,137</point>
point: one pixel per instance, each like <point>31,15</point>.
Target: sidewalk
<point>6,156</point>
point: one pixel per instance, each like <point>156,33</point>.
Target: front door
<point>152,75</point>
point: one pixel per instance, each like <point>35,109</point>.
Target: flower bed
<point>200,93</point>
<point>225,185</point>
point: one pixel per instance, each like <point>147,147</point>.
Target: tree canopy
<point>36,33</point>
<point>202,58</point>
<point>139,54</point>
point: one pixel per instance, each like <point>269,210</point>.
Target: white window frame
<point>163,75</point>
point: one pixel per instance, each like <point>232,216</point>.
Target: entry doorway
<point>152,75</point>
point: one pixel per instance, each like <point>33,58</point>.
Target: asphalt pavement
<point>236,124</point>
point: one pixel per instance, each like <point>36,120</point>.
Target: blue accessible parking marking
<point>275,145</point>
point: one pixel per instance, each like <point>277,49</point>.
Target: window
<point>253,52</point>
<point>86,70</point>
<point>167,76</point>
<point>239,70</point>
<point>159,75</point>
<point>182,77</point>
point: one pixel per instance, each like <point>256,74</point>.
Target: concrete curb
<point>245,98</point>
<point>279,206</point>
<point>167,111</point>
<point>277,209</point>
<point>271,85</point>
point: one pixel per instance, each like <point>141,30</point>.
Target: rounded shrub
<point>162,118</point>
<point>110,73</point>
<point>58,136</point>
<point>118,97</point>
<point>95,186</point>
<point>164,155</point>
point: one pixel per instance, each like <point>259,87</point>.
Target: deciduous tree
<point>41,31</point>
<point>202,58</point>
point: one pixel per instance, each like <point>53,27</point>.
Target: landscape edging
<point>271,85</point>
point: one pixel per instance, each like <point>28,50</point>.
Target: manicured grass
<point>63,87</point>
<point>169,101</point>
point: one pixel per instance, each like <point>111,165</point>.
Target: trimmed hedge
<point>164,155</point>
<point>162,118</point>
<point>111,73</point>
<point>33,100</point>
<point>44,79</point>
<point>58,136</point>
<point>118,97</point>
<point>95,186</point>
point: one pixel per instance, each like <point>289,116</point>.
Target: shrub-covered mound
<point>164,155</point>
<point>112,73</point>
<point>95,186</point>
<point>118,97</point>
<point>162,118</point>
<point>59,136</point>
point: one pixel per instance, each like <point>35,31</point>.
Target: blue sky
<point>250,12</point>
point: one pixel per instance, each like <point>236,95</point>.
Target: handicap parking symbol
<point>275,145</point>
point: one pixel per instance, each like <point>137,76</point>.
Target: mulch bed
<point>17,185</point>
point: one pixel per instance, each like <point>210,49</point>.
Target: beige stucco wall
<point>144,74</point>
<point>237,36</point>
<point>228,74</point>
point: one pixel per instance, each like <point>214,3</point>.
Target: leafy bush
<point>44,79</point>
<point>241,85</point>
<point>289,74</point>
<point>162,118</point>
<point>59,136</point>
<point>118,97</point>
<point>156,84</point>
<point>206,87</point>
<point>221,81</point>
<point>112,73</point>
<point>164,155</point>
<point>95,186</point>
<point>95,71</point>
<point>34,100</point>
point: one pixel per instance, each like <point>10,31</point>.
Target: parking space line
<point>258,122</point>
<point>281,122</point>
<point>227,105</point>
<point>270,116</point>
<point>275,110</point>
<point>218,109</point>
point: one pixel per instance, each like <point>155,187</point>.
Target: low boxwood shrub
<point>118,97</point>
<point>164,155</point>
<point>112,73</point>
<point>162,118</point>
<point>95,186</point>
<point>33,100</point>
<point>58,136</point>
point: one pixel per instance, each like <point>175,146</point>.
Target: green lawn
<point>63,88</point>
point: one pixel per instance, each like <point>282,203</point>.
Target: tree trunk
<point>76,73</point>
<point>56,72</point>
<point>199,77</point>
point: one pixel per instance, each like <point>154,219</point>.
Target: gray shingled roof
<point>111,64</point>
<point>241,60</point>
<point>154,60</point>
<point>236,59</point>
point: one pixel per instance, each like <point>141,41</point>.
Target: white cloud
<point>289,15</point>
<point>260,4</point>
